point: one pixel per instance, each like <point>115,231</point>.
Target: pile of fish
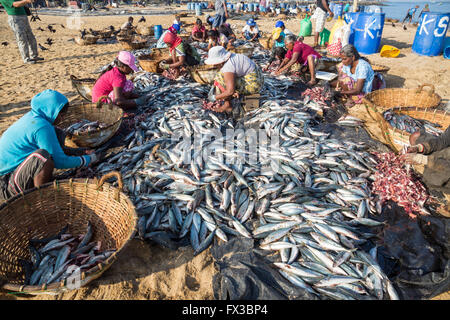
<point>393,181</point>
<point>406,123</point>
<point>208,105</point>
<point>319,95</point>
<point>56,258</point>
<point>85,126</point>
<point>272,67</point>
<point>306,198</point>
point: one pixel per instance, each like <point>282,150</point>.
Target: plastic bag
<point>324,37</point>
<point>305,27</point>
<point>337,25</point>
<point>346,31</point>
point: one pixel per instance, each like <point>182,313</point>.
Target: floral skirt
<point>350,83</point>
<point>247,85</point>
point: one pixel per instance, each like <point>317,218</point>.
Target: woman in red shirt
<point>113,83</point>
<point>199,31</point>
<point>299,55</point>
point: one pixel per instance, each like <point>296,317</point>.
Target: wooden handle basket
<point>83,87</point>
<point>129,44</point>
<point>107,113</point>
<point>43,212</point>
<point>385,99</point>
<point>380,68</point>
<point>203,74</point>
<point>87,40</point>
<point>246,51</point>
<point>145,30</point>
<point>161,51</point>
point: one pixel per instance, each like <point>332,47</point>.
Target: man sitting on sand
<point>31,149</point>
<point>127,25</point>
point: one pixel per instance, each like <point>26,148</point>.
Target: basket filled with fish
<point>150,62</point>
<point>400,123</point>
<point>99,122</point>
<point>64,234</point>
<point>133,43</point>
<point>86,40</point>
<point>248,51</point>
<point>83,86</point>
<point>203,74</point>
<point>383,99</point>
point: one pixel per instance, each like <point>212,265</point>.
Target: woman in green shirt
<point>18,21</point>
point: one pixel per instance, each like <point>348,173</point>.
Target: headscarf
<point>172,40</point>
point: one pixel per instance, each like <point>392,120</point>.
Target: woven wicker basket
<point>133,43</point>
<point>103,112</point>
<point>150,63</point>
<point>266,43</point>
<point>87,40</point>
<point>163,52</point>
<point>145,30</point>
<point>380,68</point>
<point>203,74</point>
<point>383,99</point>
<point>83,87</point>
<point>243,50</point>
<point>45,211</point>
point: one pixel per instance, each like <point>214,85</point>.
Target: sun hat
<point>251,22</point>
<point>217,55</point>
<point>279,24</point>
<point>276,33</point>
<point>128,59</point>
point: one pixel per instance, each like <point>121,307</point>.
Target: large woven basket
<point>150,62</point>
<point>133,43</point>
<point>203,74</point>
<point>265,42</point>
<point>86,40</point>
<point>107,113</point>
<point>380,68</point>
<point>384,99</point>
<point>106,33</point>
<point>396,138</point>
<point>145,30</point>
<point>161,51</point>
<point>83,86</point>
<point>43,212</point>
<point>248,51</point>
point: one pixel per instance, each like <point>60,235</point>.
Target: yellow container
<point>389,51</point>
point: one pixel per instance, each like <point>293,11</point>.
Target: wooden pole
<point>355,5</point>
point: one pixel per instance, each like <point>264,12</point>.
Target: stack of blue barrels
<point>198,9</point>
<point>430,35</point>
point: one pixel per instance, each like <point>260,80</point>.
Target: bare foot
<point>312,82</point>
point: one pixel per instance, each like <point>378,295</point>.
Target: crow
<point>83,33</point>
<point>40,29</point>
<point>404,27</point>
<point>111,28</point>
<point>49,27</point>
<point>49,41</point>
<point>41,47</point>
<point>393,24</point>
<point>63,26</point>
<point>5,43</point>
<point>142,19</point>
<point>95,33</point>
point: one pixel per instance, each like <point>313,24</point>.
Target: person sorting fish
<point>300,56</point>
<point>238,75</point>
<point>251,32</point>
<point>114,84</point>
<point>199,31</point>
<point>356,75</point>
<point>175,29</point>
<point>128,25</point>
<point>181,55</point>
<point>277,37</point>
<point>31,149</point>
<point>434,153</point>
<point>217,39</point>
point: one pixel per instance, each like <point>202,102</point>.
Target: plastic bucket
<point>430,34</point>
<point>158,31</point>
<point>338,11</point>
<point>368,31</point>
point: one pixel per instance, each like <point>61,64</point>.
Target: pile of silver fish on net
<point>85,126</point>
<point>57,258</point>
<point>306,198</point>
<point>410,124</point>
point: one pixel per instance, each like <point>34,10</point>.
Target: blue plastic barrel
<point>368,31</point>
<point>350,18</point>
<point>338,10</point>
<point>198,9</point>
<point>447,48</point>
<point>430,34</point>
<point>158,31</point>
<point>250,7</point>
<point>331,6</point>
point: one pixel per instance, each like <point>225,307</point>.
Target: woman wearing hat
<point>175,29</point>
<point>250,32</point>
<point>181,54</point>
<point>238,75</point>
<point>113,83</point>
<point>299,56</point>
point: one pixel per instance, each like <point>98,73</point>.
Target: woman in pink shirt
<point>114,84</point>
<point>299,55</point>
<point>199,31</point>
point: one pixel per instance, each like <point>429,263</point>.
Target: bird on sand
<point>49,41</point>
<point>142,19</point>
<point>5,43</point>
<point>404,27</point>
<point>41,47</point>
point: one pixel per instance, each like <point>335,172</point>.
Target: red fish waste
<point>394,182</point>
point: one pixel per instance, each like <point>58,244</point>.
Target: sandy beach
<point>148,271</point>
